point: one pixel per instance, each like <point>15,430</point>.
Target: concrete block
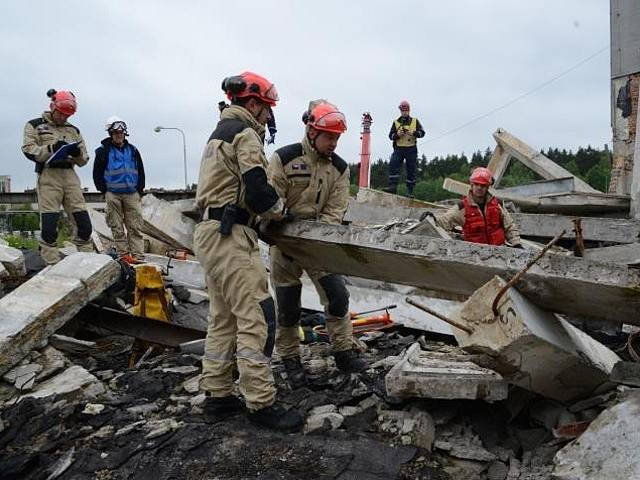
<point>534,348</point>
<point>618,230</point>
<point>627,373</point>
<point>444,376</point>
<point>73,379</point>
<point>558,283</point>
<point>607,449</point>
<point>40,306</point>
<point>536,161</point>
<point>166,222</point>
<point>12,260</point>
<point>624,254</point>
<point>542,187</point>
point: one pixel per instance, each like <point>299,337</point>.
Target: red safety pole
<point>365,153</point>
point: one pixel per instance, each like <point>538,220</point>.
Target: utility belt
<point>60,165</point>
<point>228,215</point>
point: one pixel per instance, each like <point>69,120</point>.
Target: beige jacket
<point>454,217</point>
<point>234,148</point>
<point>40,134</point>
<point>311,185</point>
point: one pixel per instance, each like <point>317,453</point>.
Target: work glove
<point>58,145</point>
<point>75,151</point>
<point>424,215</point>
<point>272,139</point>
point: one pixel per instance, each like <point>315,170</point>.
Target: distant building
<point>5,183</point>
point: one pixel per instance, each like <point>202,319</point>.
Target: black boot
<point>278,418</point>
<point>348,361</point>
<point>217,408</point>
<point>295,372</point>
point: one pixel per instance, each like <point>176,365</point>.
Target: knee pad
<point>289,305</point>
<point>337,294</point>
<point>49,227</point>
<point>269,312</point>
<point>83,222</point>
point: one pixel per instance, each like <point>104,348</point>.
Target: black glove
<point>424,215</point>
<point>58,145</point>
<point>75,151</point>
<point>288,218</point>
<point>262,229</point>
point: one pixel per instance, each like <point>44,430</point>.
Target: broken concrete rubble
<point>624,254</point>
<point>40,306</point>
<point>12,260</point>
<point>535,349</point>
<point>607,449</point>
<point>559,283</point>
<point>164,221</point>
<point>443,375</point>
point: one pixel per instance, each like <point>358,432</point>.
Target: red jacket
<point>479,228</point>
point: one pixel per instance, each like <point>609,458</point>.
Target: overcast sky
<point>161,63</point>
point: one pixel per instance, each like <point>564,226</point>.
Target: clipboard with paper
<point>62,153</point>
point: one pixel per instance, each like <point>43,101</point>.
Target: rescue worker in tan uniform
<point>314,183</point>
<point>118,172</point>
<point>58,184</point>
<point>482,217</point>
<point>232,191</point>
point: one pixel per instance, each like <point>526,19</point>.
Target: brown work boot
<point>296,375</point>
<point>348,361</point>
<point>218,408</point>
<point>278,418</point>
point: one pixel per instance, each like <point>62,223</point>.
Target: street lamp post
<point>184,150</point>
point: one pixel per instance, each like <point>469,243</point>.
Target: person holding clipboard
<point>56,147</point>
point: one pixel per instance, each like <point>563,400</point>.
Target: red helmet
<point>249,84</point>
<point>63,101</point>
<point>324,116</point>
<point>404,105</point>
<point>481,176</point>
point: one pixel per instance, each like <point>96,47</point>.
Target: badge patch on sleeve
<point>299,166</point>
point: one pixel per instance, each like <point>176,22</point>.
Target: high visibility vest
<point>479,228</point>
<point>409,139</point>
<point>121,174</point>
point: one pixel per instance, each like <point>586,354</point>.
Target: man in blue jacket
<point>118,172</point>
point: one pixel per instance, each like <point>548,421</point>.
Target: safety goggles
<point>335,121</point>
<point>118,127</point>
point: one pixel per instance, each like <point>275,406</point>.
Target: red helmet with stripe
<point>249,84</point>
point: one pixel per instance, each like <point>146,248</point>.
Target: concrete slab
<point>38,307</point>
<point>498,163</point>
<point>367,195</point>
<point>607,449</point>
<point>536,161</point>
<point>447,376</point>
<point>627,373</point>
<point>164,221</point>
<point>534,348</point>
<point>576,203</point>
<point>559,283</point>
<point>625,254</point>
<point>13,261</point>
<point>543,187</point>
<point>188,273</point>
<point>603,229</point>
<point>73,379</point>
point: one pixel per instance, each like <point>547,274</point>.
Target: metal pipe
<point>519,275</point>
<point>424,308</point>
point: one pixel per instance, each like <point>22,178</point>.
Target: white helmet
<point>115,123</point>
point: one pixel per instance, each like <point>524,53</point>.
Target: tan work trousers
<point>285,272</point>
<point>124,210</point>
<point>242,314</point>
<point>60,187</point>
